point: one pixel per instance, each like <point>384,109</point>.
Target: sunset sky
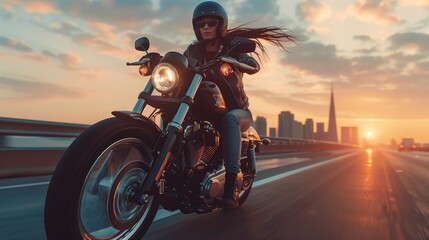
<point>65,60</point>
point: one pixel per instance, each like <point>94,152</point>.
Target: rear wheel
<point>248,178</point>
<point>89,196</point>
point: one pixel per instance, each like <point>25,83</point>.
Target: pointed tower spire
<point>332,127</point>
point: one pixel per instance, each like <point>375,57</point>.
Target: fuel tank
<point>209,100</point>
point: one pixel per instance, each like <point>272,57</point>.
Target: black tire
<point>113,149</point>
<point>248,179</point>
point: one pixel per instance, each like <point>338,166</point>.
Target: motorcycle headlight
<point>165,77</point>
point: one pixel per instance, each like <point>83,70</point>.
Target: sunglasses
<point>210,23</point>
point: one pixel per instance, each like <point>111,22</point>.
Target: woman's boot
<point>230,192</point>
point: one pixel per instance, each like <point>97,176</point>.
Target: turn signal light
<point>226,69</point>
<point>144,70</point>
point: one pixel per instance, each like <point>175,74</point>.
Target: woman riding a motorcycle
<point>210,24</point>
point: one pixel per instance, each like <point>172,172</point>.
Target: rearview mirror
<point>242,45</point>
<point>142,44</point>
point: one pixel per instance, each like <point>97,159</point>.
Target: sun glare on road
<point>369,159</point>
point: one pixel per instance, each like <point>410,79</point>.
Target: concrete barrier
<point>18,161</point>
<point>28,162</point>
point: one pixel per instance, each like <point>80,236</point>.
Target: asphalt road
<point>381,194</point>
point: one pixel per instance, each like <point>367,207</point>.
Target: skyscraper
<point>349,135</point>
<point>320,131</point>
<point>309,129</point>
<point>273,132</point>
<point>332,126</point>
<point>285,124</point>
<point>260,125</point>
<point>297,130</point>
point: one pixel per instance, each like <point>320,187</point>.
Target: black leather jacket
<point>232,86</point>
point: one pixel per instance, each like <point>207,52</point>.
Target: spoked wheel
<point>122,211</point>
<point>89,196</point>
<point>106,210</point>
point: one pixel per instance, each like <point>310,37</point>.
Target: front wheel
<point>89,196</point>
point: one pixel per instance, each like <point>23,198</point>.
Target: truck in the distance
<point>407,144</point>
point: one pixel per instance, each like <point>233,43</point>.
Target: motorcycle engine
<point>213,183</point>
<point>202,141</point>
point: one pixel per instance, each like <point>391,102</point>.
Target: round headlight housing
<point>164,77</point>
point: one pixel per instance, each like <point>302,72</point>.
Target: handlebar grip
<point>143,61</point>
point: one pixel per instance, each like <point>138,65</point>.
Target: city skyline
<point>65,60</point>
<point>351,132</point>
<point>288,127</point>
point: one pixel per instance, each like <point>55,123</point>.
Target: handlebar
<point>138,63</point>
<point>238,64</point>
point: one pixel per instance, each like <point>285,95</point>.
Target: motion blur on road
<point>351,194</point>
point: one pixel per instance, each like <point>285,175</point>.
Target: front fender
<point>128,115</point>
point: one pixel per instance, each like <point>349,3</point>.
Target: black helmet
<point>210,9</point>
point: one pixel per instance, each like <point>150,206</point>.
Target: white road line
<point>24,185</point>
<point>290,173</point>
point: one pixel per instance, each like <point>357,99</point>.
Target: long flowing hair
<point>274,35</point>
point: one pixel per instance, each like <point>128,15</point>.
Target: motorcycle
<point>113,178</point>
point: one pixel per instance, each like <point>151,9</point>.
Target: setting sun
<point>369,134</point>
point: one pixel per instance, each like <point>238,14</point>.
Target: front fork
<point>174,129</point>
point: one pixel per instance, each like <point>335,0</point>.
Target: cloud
<point>66,28</point>
<point>421,24</point>
<point>368,82</point>
<point>158,44</point>
<point>67,60</point>
<point>312,10</point>
<point>318,59</point>
<point>367,51</point>
<point>366,64</point>
<point>31,6</point>
<point>37,90</point>
<point>379,11</point>
<point>40,7</point>
<point>252,10</point>
<point>15,44</point>
<point>410,40</point>
<point>417,3</point>
<point>128,14</point>
<point>363,38</point>
<point>91,41</point>
<point>422,66</point>
<point>38,57</point>
<point>103,30</point>
<point>292,103</point>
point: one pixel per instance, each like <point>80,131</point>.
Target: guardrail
<point>282,145</point>
<point>35,158</point>
<point>46,142</point>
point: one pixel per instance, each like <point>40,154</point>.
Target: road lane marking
<point>24,185</point>
<point>290,173</point>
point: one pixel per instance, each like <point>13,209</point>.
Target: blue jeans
<point>232,124</point>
